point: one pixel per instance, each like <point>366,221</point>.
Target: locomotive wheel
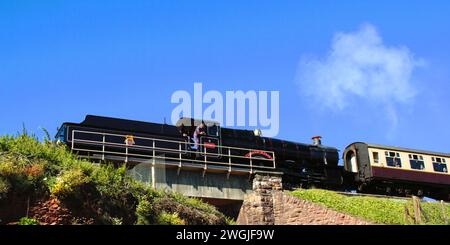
<point>420,193</point>
<point>362,187</point>
<point>388,190</point>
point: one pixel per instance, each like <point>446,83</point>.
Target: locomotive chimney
<point>317,140</point>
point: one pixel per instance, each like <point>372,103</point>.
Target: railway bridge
<point>151,161</point>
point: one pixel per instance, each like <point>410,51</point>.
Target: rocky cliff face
<point>269,205</point>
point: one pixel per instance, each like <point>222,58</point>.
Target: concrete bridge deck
<point>193,181</point>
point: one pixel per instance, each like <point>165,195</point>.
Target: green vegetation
<point>231,221</point>
<point>378,210</point>
<point>32,171</point>
<point>28,221</point>
<point>170,219</point>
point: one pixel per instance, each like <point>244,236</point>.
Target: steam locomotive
<point>305,165</point>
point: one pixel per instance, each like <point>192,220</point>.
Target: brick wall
<point>269,205</point>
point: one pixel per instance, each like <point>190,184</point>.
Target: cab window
<point>213,131</point>
<point>61,134</point>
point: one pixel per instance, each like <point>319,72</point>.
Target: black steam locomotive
<point>119,139</point>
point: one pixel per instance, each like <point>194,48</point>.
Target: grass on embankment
<point>377,210</point>
<point>32,171</point>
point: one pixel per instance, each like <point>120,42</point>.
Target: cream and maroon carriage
<point>397,171</point>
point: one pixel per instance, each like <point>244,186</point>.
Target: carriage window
<point>439,165</point>
<point>393,159</point>
<point>376,158</point>
<point>416,162</point>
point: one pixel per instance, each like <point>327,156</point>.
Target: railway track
<point>354,194</point>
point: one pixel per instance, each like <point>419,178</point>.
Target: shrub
<point>146,214</point>
<point>7,168</point>
<point>28,221</point>
<point>34,171</point>
<point>4,187</point>
<point>116,221</point>
<point>109,181</point>
<point>195,203</point>
<point>165,218</point>
<point>100,194</point>
<point>69,183</point>
<point>230,221</point>
<point>21,174</point>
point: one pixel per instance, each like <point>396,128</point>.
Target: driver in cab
<point>200,130</point>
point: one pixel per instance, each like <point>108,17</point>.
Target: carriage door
<point>351,163</point>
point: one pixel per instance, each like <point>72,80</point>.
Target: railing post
<point>205,159</point>
<point>73,139</point>
<point>153,165</point>
<point>273,159</point>
<point>126,153</point>
<point>251,164</point>
<point>204,150</point>
<point>153,154</point>
<point>179,156</point>
<point>103,147</point>
<point>229,163</point>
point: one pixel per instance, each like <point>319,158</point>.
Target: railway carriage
<point>397,171</point>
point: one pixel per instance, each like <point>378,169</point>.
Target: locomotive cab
<point>209,142</point>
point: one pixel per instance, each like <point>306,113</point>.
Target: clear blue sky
<point>61,60</point>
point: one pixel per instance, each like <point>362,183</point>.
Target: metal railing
<point>154,148</point>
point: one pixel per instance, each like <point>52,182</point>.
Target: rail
<point>405,198</point>
<point>107,144</point>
